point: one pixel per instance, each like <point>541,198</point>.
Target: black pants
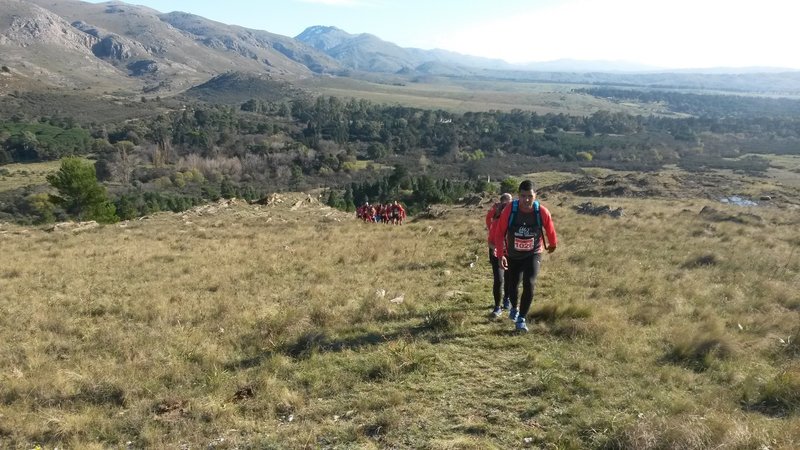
<point>500,280</point>
<point>498,274</point>
<point>527,269</point>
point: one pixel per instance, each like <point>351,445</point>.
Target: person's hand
<point>551,249</point>
<point>504,263</point>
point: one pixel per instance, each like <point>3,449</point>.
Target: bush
<point>41,207</point>
<point>79,192</point>
<point>510,185</point>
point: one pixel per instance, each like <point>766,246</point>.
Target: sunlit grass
<point>259,327</point>
<point>15,176</point>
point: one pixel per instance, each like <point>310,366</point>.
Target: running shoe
<point>521,326</point>
<point>512,314</point>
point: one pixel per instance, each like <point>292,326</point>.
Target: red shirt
<point>498,232</point>
<point>490,220</point>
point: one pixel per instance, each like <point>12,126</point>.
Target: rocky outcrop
<point>591,209</point>
<point>43,27</point>
<point>142,67</point>
<point>112,47</point>
<point>88,29</point>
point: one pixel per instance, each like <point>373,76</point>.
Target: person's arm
<point>498,234</point>
<point>490,216</point>
<point>549,229</point>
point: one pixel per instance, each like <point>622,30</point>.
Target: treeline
<point>705,105</point>
<point>203,152</point>
<point>47,139</point>
<point>415,192</point>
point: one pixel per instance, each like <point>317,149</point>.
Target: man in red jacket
<point>518,236</point>
<point>497,271</point>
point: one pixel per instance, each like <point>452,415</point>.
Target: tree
<point>24,146</point>
<point>5,157</point>
<point>510,185</point>
<point>349,203</point>
<point>125,161</point>
<point>377,150</point>
<point>79,192</point>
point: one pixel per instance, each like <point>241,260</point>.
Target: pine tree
<point>79,192</point>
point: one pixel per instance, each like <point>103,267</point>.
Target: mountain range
<point>115,47</point>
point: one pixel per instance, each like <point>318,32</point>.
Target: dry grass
<point>15,176</point>
<point>464,96</point>
<point>258,327</point>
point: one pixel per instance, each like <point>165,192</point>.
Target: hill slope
<point>131,47</point>
<point>296,326</point>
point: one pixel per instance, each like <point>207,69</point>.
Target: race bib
<point>523,245</point>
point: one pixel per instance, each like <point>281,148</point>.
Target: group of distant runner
<point>389,213</point>
<point>516,238</point>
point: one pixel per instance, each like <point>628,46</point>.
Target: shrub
<point>79,192</point>
<point>510,184</point>
<point>41,206</point>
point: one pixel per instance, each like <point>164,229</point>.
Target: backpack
<point>536,213</point>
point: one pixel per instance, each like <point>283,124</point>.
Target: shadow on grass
<point>436,326</point>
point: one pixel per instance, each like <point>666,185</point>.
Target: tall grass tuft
<point>701,261</point>
<point>778,396</point>
<point>698,349</point>
<point>553,312</point>
<point>444,321</point>
<point>307,343</point>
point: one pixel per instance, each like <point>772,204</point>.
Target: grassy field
<point>15,176</point>
<point>785,169</point>
<point>238,326</point>
<point>463,96</point>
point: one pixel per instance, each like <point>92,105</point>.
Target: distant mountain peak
<point>321,29</point>
<point>368,52</point>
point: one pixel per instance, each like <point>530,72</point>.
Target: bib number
<point>523,245</point>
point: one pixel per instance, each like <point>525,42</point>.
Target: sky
<point>673,34</point>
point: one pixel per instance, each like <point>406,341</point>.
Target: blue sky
<point>660,33</point>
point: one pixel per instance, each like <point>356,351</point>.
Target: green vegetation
<point>26,142</point>
<point>178,159</point>
<point>79,193</point>
<point>705,105</point>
